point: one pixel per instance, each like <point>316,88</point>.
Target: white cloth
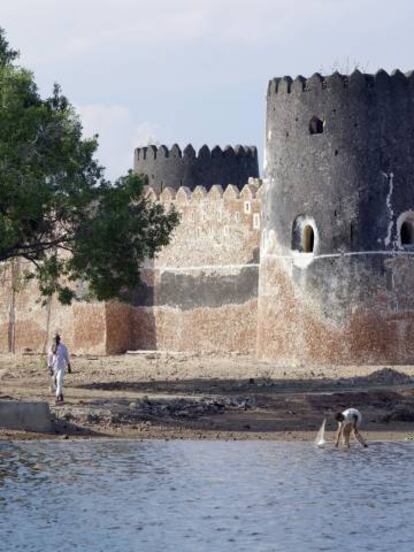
<point>60,359</point>
<point>60,375</point>
<point>349,416</point>
<point>58,362</point>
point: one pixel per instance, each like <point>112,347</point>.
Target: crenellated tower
<point>336,273</point>
<point>174,168</point>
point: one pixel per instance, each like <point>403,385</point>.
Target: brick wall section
<point>26,323</point>
<point>201,290</point>
<point>199,294</point>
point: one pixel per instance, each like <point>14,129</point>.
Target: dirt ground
<point>179,396</point>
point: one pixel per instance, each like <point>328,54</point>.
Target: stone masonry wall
<point>339,165</point>
<point>27,324</point>
<point>200,293</point>
<point>174,168</point>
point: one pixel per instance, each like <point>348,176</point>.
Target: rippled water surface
<point>200,495</point>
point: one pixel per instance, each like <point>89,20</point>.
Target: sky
<point>194,71</point>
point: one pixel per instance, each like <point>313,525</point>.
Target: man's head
<point>339,417</point>
<point>56,341</point>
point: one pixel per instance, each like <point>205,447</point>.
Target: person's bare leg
<point>347,435</point>
<point>338,435</point>
<point>359,437</point>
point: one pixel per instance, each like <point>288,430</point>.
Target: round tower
<point>337,251</point>
<point>174,168</point>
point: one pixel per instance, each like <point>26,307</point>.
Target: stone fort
<point>313,263</point>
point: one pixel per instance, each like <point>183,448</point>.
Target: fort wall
<point>336,279</point>
<point>28,322</point>
<point>174,168</point>
<point>315,265</point>
<point>200,293</point>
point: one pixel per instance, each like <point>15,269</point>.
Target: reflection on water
<point>198,496</point>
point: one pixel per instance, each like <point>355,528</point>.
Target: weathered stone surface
<point>200,293</point>
<point>173,168</point>
<point>25,415</point>
<point>339,165</point>
<point>362,324</point>
<point>316,266</point>
<point>222,329</point>
<point>118,327</point>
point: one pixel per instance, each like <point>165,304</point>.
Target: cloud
<point>194,70</point>
<point>119,134</point>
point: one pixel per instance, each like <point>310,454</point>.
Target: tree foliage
<point>57,211</point>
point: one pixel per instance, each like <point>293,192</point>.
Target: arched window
<point>407,233</point>
<point>304,234</point>
<point>315,125</point>
<point>308,239</point>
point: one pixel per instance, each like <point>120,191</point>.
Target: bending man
<point>348,422</point>
<point>58,360</point>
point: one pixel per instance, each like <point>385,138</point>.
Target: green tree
<point>57,211</point>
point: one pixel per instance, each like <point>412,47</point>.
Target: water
<point>205,496</point>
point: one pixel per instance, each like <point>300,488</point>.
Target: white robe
<point>58,362</point>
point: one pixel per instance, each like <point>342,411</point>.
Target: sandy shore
<point>180,396</point>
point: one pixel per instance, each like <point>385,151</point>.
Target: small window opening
<point>304,234</point>
<point>315,126</point>
<point>407,233</point>
<point>308,239</point>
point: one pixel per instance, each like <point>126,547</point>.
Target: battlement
<point>250,191</point>
<point>381,80</point>
<point>204,153</point>
<point>174,168</point>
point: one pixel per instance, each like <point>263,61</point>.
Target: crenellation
<point>183,195</point>
<point>382,82</point>
<point>216,192</point>
<point>285,85</point>
<point>189,152</point>
<point>150,153</point>
<point>163,152</point>
<point>248,192</point>
<point>299,84</point>
<point>229,152</point>
<point>337,81</point>
<point>150,193</point>
<point>167,195</point>
<point>356,81</point>
<point>231,192</point>
<point>399,81</point>
<point>216,153</point>
<point>204,152</point>
<point>175,152</point>
<point>199,193</point>
<point>175,168</point>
